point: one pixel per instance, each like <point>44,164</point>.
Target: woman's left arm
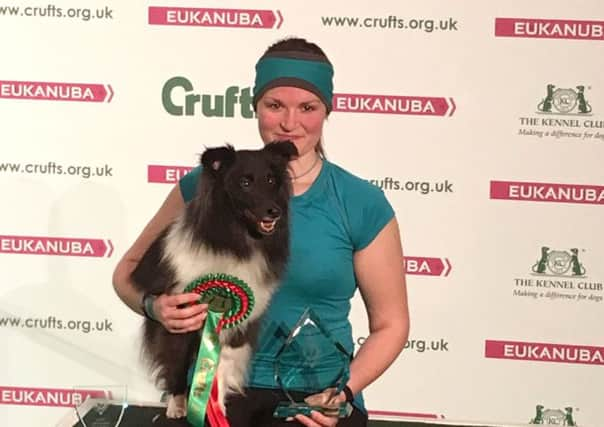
<point>381,278</point>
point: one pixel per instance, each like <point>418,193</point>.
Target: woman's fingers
<point>187,312</point>
<point>180,299</point>
<point>186,325</point>
<point>317,419</point>
<point>180,313</point>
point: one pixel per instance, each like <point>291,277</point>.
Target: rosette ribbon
<point>230,301</point>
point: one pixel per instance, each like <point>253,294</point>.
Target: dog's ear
<point>285,149</point>
<point>219,158</point>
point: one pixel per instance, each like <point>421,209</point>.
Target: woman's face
<point>292,113</point>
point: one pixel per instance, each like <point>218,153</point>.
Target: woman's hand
<point>317,419</point>
<point>179,313</point>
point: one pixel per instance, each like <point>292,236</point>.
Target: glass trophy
<point>311,362</point>
<point>104,406</point>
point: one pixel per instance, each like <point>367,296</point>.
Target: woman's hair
<point>296,45</point>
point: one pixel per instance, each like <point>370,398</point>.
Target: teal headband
<point>312,75</point>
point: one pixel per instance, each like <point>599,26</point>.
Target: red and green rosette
<point>230,301</point>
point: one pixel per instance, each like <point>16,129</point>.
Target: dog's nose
<point>274,212</point>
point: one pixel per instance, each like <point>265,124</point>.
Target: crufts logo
<point>179,98</point>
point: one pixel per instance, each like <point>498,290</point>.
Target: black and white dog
<point>236,224</point>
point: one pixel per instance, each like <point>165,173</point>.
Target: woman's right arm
<point>165,307</point>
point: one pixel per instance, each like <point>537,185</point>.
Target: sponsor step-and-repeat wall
<point>483,123</point>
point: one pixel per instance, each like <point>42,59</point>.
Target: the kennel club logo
<point>53,91</point>
<point>559,274</point>
<point>203,17</point>
<point>393,104</point>
<point>559,263</point>
<point>563,112</point>
<point>549,416</point>
<point>564,101</point>
<point>549,28</point>
<point>65,246</point>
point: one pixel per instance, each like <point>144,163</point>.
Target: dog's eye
<point>271,180</point>
<point>244,182</point>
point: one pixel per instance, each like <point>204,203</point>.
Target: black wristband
<point>147,306</point>
<point>348,392</point>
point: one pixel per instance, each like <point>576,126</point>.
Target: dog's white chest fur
<point>191,261</point>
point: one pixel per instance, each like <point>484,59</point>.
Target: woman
<point>344,236</point>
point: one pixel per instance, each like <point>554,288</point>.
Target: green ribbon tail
<point>205,370</point>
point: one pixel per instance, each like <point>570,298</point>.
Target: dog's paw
<point>177,406</point>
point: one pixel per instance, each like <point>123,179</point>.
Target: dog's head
<point>255,182</point>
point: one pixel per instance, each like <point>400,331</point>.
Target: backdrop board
<point>483,123</point>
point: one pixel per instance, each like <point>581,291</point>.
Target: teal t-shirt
<point>338,215</point>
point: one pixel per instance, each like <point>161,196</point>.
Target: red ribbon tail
<point>213,411</point>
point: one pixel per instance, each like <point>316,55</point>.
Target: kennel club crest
<point>556,417</point>
<point>564,101</point>
<point>559,263</point>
